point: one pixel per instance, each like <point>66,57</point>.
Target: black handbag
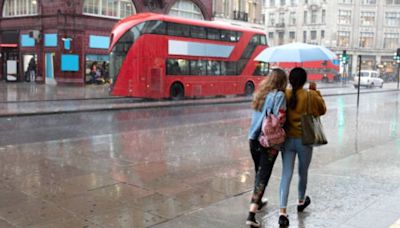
<point>312,133</point>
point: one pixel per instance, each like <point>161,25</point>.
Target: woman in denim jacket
<point>269,96</point>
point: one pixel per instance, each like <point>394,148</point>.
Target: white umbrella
<point>295,52</point>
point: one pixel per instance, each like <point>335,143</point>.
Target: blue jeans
<point>292,147</point>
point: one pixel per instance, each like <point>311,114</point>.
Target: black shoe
<point>283,220</point>
<point>261,206</point>
<point>252,222</point>
<point>307,201</point>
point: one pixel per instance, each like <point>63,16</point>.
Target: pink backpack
<point>272,134</point>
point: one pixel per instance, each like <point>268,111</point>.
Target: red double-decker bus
<point>159,56</point>
<point>325,71</point>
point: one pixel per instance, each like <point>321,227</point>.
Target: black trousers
<point>264,160</point>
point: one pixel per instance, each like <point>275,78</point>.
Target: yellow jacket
<point>293,117</point>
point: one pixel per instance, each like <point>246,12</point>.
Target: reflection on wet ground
<point>190,167</point>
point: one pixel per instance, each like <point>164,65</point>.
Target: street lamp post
<point>396,58</point>
<point>359,78</point>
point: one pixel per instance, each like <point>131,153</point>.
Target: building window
<point>304,36</point>
<point>322,34</point>
<point>391,40</point>
<point>343,39</point>
<point>292,18</point>
<point>305,18</point>
<point>271,19</point>
<point>271,35</point>
<point>366,39</point>
<point>313,35</point>
<point>293,2</point>
<point>368,2</point>
<point>392,2</point>
<point>109,8</point>
<point>186,9</point>
<point>367,18</point>
<point>345,1</point>
<point>271,3</point>
<point>313,16</point>
<point>292,36</point>
<point>344,17</point>
<point>282,18</point>
<point>392,18</point>
<point>323,16</point>
<point>17,8</point>
<point>283,2</point>
<point>281,38</point>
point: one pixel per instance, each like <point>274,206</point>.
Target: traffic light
<point>344,58</point>
<point>396,56</point>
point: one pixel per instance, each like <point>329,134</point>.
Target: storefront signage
<point>27,41</point>
<point>50,40</point>
<point>69,62</point>
<point>101,42</point>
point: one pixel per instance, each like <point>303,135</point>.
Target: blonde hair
<point>276,80</point>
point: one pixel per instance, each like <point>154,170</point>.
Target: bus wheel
<point>249,89</point>
<point>176,92</point>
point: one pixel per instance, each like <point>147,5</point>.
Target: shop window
<point>97,69</point>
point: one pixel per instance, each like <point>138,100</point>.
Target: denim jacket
<point>278,110</point>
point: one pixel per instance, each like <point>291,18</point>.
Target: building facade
<point>59,40</point>
<point>246,13</point>
<point>369,28</point>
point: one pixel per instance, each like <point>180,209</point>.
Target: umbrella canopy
<point>296,52</point>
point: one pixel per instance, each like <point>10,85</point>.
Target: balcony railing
<point>240,16</point>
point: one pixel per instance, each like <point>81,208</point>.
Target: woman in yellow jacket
<point>296,99</point>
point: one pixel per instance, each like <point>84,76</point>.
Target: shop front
<point>9,55</point>
<point>388,68</point>
<point>368,62</point>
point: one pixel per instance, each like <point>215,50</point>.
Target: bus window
<point>198,32</point>
<point>263,40</point>
<point>230,36</point>
<point>231,68</point>
<point>238,35</point>
<point>213,68</point>
<point>154,27</point>
<point>213,34</point>
<point>262,69</point>
<point>198,67</point>
<point>120,50</point>
<point>223,68</point>
<point>178,30</point>
<point>254,40</point>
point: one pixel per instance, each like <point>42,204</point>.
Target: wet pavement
<point>19,99</point>
<point>189,166</point>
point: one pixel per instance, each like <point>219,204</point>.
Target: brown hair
<point>276,80</point>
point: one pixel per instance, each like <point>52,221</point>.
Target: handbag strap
<point>308,103</point>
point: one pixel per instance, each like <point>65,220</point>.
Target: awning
<point>9,45</point>
<point>92,57</point>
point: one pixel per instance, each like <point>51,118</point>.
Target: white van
<point>369,78</point>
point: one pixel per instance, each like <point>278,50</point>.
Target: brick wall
<point>65,18</point>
